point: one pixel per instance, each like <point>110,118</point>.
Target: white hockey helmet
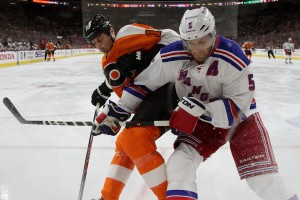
<point>290,39</point>
<point>196,24</point>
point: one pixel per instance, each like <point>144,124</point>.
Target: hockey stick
<point>11,107</point>
<point>87,157</point>
<point>21,119</point>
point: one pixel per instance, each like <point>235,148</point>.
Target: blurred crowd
<point>24,28</point>
<point>30,28</point>
<point>270,24</point>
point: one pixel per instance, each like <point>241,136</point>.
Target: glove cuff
<point>115,111</point>
<point>192,106</point>
<point>100,118</point>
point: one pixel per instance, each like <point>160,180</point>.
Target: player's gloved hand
<point>107,121</point>
<point>101,94</point>
<point>185,117</point>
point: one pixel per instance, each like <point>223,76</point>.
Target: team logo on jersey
<point>213,69</point>
<point>182,75</point>
<point>113,75</point>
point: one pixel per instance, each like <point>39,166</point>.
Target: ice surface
<point>46,162</point>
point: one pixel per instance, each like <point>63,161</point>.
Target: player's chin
<point>200,58</point>
<point>103,51</point>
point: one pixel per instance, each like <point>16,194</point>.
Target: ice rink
<point>46,162</point>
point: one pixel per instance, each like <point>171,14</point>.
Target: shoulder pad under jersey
<point>174,51</point>
<point>132,29</point>
<point>231,52</point>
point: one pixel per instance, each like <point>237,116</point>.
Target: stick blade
<point>10,106</point>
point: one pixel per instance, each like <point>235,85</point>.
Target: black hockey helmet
<point>97,25</point>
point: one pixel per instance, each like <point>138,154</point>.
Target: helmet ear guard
<point>97,25</point>
<point>196,24</point>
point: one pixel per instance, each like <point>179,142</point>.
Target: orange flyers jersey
<point>131,38</point>
<point>248,45</point>
<point>50,46</point>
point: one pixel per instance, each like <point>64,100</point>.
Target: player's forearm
<point>225,113</point>
<point>132,96</point>
<point>233,107</point>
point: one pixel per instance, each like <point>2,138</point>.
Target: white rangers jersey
<point>223,83</point>
<point>289,46</point>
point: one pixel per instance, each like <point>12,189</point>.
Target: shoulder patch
<point>114,76</point>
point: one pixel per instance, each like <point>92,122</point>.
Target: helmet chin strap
<point>211,49</point>
<point>112,34</point>
<point>112,38</point>
<point>214,36</point>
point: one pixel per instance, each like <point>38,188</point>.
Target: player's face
<point>103,42</point>
<point>201,48</point>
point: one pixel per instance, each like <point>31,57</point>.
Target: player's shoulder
<point>132,29</point>
<point>174,51</point>
<point>230,52</point>
<point>174,46</point>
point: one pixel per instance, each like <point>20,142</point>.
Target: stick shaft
<point>11,107</point>
<point>87,158</point>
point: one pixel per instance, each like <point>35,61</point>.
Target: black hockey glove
<point>101,94</point>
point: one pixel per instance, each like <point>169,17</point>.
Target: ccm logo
<point>187,103</point>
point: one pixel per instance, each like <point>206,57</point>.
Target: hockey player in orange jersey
<point>50,48</point>
<point>248,47</point>
<point>127,53</point>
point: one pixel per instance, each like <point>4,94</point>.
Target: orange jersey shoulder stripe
<point>132,38</point>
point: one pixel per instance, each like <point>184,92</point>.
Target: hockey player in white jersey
<point>214,80</point>
<point>288,48</point>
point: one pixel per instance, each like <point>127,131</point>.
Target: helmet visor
<point>203,43</point>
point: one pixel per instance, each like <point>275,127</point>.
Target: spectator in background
<point>1,47</point>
